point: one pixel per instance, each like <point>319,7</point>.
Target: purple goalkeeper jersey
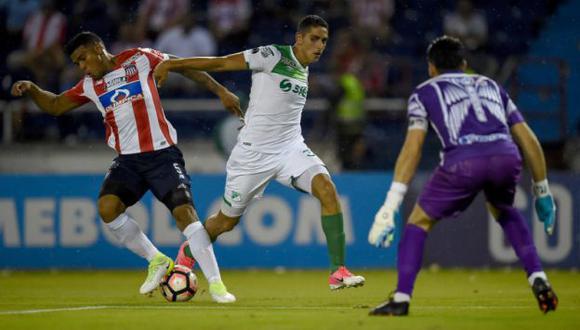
<point>471,114</point>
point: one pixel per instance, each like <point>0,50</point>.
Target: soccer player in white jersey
<point>123,89</point>
<point>270,145</point>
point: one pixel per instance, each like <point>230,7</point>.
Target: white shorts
<point>249,172</point>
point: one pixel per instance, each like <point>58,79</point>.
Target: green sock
<point>187,251</point>
<point>335,240</point>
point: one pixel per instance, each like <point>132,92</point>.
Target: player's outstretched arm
<point>48,102</point>
<point>531,150</point>
<point>230,101</point>
<point>534,157</point>
<point>233,62</point>
<point>382,231</point>
<point>410,156</point>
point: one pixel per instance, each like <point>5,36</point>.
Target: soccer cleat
<point>391,308</point>
<point>159,266</point>
<point>219,293</point>
<point>343,278</point>
<point>182,258</point>
<point>547,299</point>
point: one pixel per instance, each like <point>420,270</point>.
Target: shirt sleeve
<point>262,58</point>
<point>513,115</point>
<point>416,113</point>
<point>155,57</point>
<point>77,93</point>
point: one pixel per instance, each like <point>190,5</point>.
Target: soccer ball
<point>179,285</point>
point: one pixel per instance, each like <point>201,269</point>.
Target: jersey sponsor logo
<point>475,138</point>
<point>255,50</point>
<point>116,81</point>
<point>287,86</point>
<point>117,97</point>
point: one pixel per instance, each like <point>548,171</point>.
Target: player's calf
<point>547,299</point>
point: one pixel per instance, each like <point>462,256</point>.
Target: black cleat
<point>547,298</point>
<point>391,308</point>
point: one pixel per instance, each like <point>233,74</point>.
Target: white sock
<point>401,297</point>
<point>202,251</point>
<point>535,275</point>
<point>127,231</point>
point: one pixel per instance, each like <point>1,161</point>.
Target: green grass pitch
<point>447,299</point>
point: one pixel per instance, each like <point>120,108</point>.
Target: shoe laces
<point>344,272</point>
<point>153,265</point>
<point>218,288</point>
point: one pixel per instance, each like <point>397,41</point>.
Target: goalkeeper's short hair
<point>446,53</point>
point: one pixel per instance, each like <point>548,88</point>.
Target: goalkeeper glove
<point>382,232</point>
<point>544,205</point>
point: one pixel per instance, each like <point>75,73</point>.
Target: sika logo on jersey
<point>286,86</point>
<point>119,96</point>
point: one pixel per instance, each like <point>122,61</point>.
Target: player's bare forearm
<point>204,80</point>
<point>409,157</point>
<point>234,62</point>
<point>230,101</point>
<point>48,102</point>
<point>531,150</point>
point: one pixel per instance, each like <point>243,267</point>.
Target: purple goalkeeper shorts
<point>453,187</point>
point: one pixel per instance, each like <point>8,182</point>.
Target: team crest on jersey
<point>117,97</point>
<point>130,70</point>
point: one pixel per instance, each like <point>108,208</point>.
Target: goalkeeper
<point>480,130</point>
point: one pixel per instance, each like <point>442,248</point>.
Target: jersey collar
<point>296,60</point>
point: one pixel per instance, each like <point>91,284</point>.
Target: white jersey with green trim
<point>277,98</point>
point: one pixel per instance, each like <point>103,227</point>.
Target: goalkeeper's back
<point>471,114</point>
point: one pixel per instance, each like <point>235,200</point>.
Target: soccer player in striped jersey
<point>270,145</point>
<point>480,129</point>
<point>123,89</point>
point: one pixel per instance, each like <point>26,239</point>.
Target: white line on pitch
<point>52,310</point>
<point>260,308</point>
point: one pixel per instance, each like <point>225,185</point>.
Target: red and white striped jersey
<point>127,98</point>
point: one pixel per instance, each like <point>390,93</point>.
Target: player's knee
<point>325,191</point>
<point>507,214</point>
<point>495,212</point>
<point>420,219</point>
<point>110,207</point>
<point>184,215</point>
<point>220,223</point>
<point>178,197</point>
